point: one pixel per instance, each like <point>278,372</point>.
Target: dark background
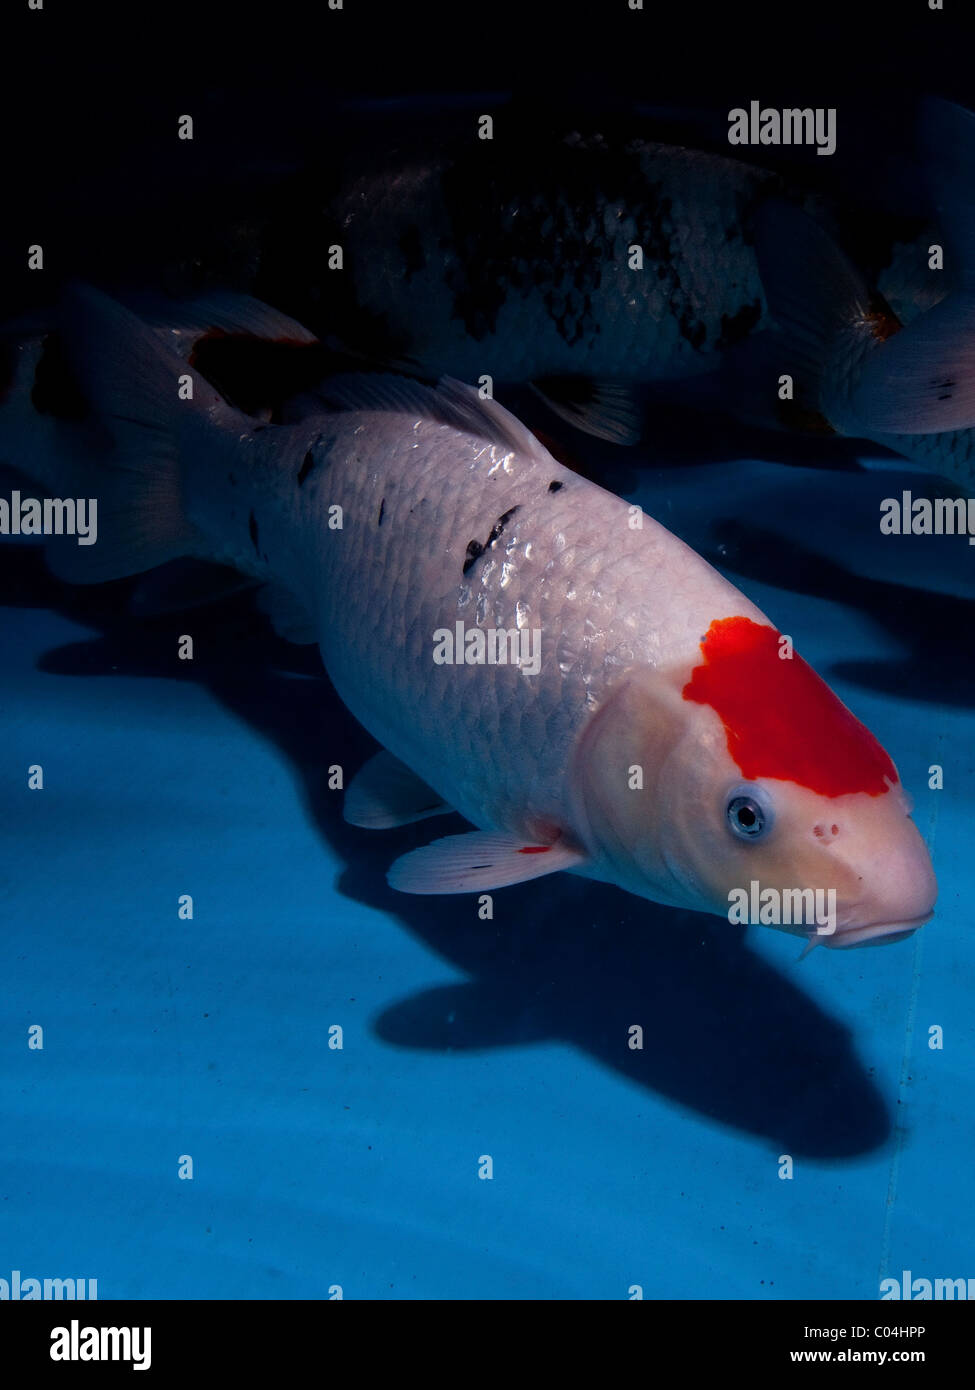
<point>92,93</point>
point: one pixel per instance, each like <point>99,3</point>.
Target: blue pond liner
<point>314,1167</point>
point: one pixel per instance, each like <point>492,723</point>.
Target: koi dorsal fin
<point>450,403</point>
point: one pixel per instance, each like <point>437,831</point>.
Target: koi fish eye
<point>749,815</point>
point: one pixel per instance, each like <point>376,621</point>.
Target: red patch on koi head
<point>782,721</point>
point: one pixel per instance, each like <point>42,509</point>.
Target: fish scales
<point>516,264</point>
<point>567,564</point>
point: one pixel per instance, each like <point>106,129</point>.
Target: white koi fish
<point>653,731</point>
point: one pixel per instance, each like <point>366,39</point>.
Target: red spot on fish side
<point>881,319</point>
<point>781,719</point>
<point>535,849</point>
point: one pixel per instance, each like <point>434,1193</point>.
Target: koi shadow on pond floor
<point>725,1034</point>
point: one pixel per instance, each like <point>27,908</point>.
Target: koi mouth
<point>875,933</point>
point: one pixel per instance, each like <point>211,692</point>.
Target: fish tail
<point>828,326</point>
<point>923,381</point>
<point>140,392</point>
<point>836,340</point>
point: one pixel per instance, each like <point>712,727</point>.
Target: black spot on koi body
<point>499,526</point>
<point>252,527</point>
<point>475,549</point>
<point>736,327</point>
<point>554,486</point>
<point>693,330</point>
<point>308,463</point>
<point>382,508</point>
<point>546,218</point>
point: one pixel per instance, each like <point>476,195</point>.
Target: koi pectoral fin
<point>477,862</point>
<point>385,793</point>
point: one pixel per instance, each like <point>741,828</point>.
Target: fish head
<point>742,782</point>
